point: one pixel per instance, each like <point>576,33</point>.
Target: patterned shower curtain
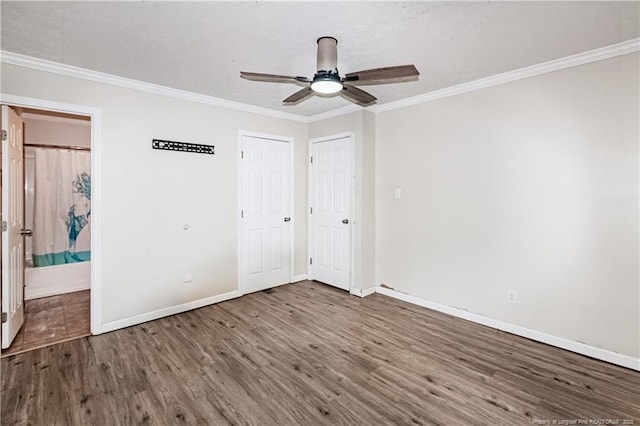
<point>62,207</point>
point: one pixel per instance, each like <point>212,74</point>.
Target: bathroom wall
<point>49,129</point>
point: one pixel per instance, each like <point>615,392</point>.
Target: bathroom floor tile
<point>51,320</point>
<point>43,304</point>
<point>76,321</point>
<point>44,327</point>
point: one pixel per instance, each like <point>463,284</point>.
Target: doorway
<point>265,203</point>
<point>51,280</point>
<point>330,209</point>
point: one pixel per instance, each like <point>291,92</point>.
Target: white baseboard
<point>172,310</point>
<point>560,342</point>
<point>164,312</point>
<point>298,278</point>
<point>367,291</point>
<point>363,293</point>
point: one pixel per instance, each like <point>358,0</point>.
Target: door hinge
<point>4,225</point>
<point>4,135</point>
<point>4,317</point>
<point>241,154</point>
<point>241,214</point>
<point>311,160</point>
<point>310,261</point>
<point>310,210</point>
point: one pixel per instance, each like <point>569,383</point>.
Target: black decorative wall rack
<point>182,146</point>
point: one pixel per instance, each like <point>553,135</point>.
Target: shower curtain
<point>62,207</point>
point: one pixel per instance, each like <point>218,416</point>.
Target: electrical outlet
<point>512,297</point>
<point>188,278</point>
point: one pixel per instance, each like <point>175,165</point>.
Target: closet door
<point>266,212</point>
<point>331,199</point>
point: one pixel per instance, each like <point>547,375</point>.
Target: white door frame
<point>241,133</point>
<point>96,179</point>
<point>353,199</point>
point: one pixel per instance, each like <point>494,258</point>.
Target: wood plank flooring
<point>50,320</point>
<point>308,354</point>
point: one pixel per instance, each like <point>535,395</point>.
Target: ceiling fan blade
<point>273,78</point>
<point>299,96</point>
<point>398,74</point>
<point>356,95</point>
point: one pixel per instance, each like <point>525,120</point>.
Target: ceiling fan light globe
<point>326,85</point>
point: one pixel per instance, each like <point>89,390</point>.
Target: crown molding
<point>11,58</point>
<point>347,109</point>
<point>594,55</point>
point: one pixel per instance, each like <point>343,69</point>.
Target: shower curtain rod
<point>76,148</point>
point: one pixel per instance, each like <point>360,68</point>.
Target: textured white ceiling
<point>202,46</point>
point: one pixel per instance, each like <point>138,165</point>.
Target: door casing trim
<point>95,115</point>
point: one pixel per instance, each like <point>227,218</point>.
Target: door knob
<point>26,232</point>
<point>345,221</point>
<point>287,219</point>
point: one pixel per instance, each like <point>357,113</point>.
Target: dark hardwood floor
<point>307,354</point>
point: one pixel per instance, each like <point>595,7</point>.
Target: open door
<point>12,226</point>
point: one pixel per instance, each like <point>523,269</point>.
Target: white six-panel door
<point>330,195</point>
<point>13,219</point>
<point>265,212</point>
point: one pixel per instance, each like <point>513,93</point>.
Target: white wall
<point>362,124</point>
<point>47,132</point>
<point>148,195</point>
<point>531,186</point>
<point>367,196</point>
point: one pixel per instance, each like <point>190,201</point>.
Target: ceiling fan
<point>327,80</point>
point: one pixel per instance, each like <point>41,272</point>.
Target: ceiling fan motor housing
<point>327,55</point>
<point>327,80</point>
